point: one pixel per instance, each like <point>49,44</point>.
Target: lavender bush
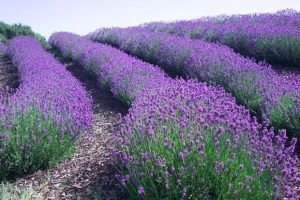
<point>125,76</point>
<point>272,37</point>
<point>185,139</point>
<point>274,98</point>
<point>194,142</point>
<point>40,121</point>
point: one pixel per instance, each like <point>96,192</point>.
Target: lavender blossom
<point>159,103</point>
<point>269,95</point>
<point>269,36</point>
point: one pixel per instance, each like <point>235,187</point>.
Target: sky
<point>84,16</point>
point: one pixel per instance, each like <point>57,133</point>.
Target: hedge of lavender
<point>274,98</point>
<point>41,120</point>
<point>272,37</point>
<point>2,48</point>
<point>125,76</point>
<point>185,139</point>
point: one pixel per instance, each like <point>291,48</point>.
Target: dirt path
<point>82,176</point>
<point>286,70</point>
<point>8,73</point>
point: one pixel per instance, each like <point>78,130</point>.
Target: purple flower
<point>141,190</point>
<point>183,192</point>
<point>48,86</point>
<point>221,164</point>
<point>232,155</point>
<point>248,188</point>
<point>246,31</point>
<point>197,58</point>
<point>4,136</point>
<point>151,173</point>
<point>172,169</point>
<point>50,98</point>
<point>220,130</point>
<point>181,155</point>
<point>134,181</point>
<point>202,153</point>
<point>166,174</point>
<point>158,100</point>
<point>228,143</point>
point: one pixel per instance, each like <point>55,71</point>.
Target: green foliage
<point>239,41</point>
<point>42,40</point>
<point>211,36</point>
<point>195,33</point>
<point>7,32</point>
<point>246,92</point>
<point>284,50</point>
<point>10,192</point>
<point>32,142</point>
<point>196,172</point>
<point>279,117</point>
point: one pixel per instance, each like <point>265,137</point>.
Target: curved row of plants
<point>41,120</point>
<point>114,69</point>
<point>271,37</point>
<point>185,139</point>
<point>273,97</point>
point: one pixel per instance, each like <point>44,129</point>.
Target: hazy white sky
<point>83,16</point>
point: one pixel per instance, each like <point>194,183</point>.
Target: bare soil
<point>8,73</point>
<point>87,174</point>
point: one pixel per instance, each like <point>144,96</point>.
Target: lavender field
<point>193,109</point>
<point>271,37</point>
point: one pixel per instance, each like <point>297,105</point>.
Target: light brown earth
<point>87,174</point>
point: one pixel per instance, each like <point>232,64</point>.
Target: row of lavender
<point>273,97</point>
<point>40,121</point>
<point>185,139</point>
<point>113,69</point>
<point>273,37</point>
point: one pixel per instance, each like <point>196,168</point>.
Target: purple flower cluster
<point>2,48</point>
<point>184,139</point>
<point>46,85</point>
<point>193,132</point>
<point>271,96</point>
<point>39,122</point>
<point>273,37</point>
<point>126,76</point>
